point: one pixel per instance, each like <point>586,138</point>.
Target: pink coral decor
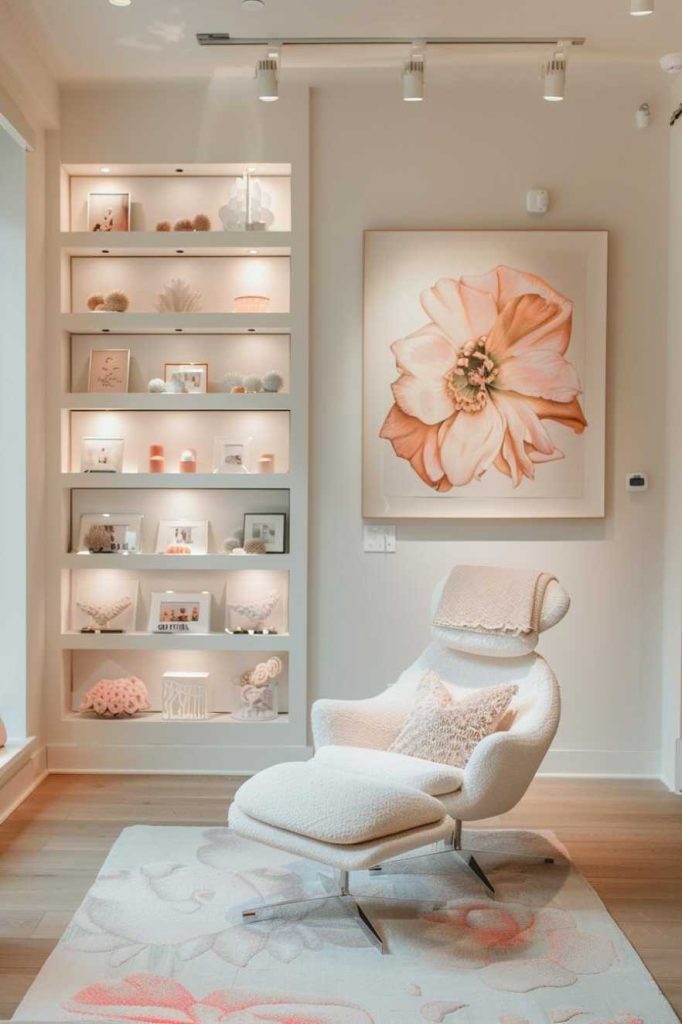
<point>116,698</point>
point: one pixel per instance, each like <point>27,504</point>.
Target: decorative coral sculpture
<point>164,225</point>
<point>272,381</point>
<point>178,297</point>
<point>114,302</point>
<point>95,302</point>
<point>99,540</point>
<point>256,613</point>
<point>201,222</point>
<point>184,224</point>
<point>263,673</point>
<point>116,698</point>
<point>102,614</point>
<point>258,692</point>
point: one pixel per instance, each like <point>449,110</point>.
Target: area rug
<point>159,939</point>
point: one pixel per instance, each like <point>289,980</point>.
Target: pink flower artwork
<point>518,948</point>
<point>152,999</point>
<point>478,380</point>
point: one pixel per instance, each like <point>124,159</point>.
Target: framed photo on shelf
<point>175,612</point>
<point>109,369</point>
<point>182,537</point>
<point>108,533</point>
<point>102,455</point>
<point>109,211</point>
<point>268,527</point>
<point>229,456</point>
<point>190,378</point>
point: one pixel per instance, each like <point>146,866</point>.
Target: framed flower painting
<point>484,374</point>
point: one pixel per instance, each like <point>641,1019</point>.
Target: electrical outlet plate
<point>379,538</point>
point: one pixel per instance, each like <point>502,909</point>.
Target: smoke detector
<point>672,63</point>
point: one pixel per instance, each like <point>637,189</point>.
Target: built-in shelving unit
<point>219,264</point>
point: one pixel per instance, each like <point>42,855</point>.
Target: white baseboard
<point>169,760</point>
<point>21,777</point>
<point>644,764</point>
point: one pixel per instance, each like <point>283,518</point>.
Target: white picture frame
<point>124,528</point>
<point>269,527</point>
<point>109,370</point>
<point>193,376</point>
<point>426,451</point>
<point>180,612</point>
<point>191,534</point>
<point>109,211</point>
<point>102,454</point>
<point>229,456</point>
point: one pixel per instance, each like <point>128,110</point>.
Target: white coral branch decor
<point>256,613</point>
<point>178,297</point>
<point>102,614</point>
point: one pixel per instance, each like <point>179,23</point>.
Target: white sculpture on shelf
<point>184,696</point>
<point>248,206</point>
<point>258,691</point>
<point>102,614</point>
<point>178,297</point>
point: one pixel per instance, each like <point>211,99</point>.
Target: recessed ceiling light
<point>105,170</point>
<point>253,5</point>
<point>253,252</point>
<point>638,8</point>
<point>120,3</point>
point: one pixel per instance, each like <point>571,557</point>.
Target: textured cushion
<point>429,777</point>
<point>335,807</point>
<point>440,728</point>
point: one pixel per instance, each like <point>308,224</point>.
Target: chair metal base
<point>346,899</point>
<point>453,846</point>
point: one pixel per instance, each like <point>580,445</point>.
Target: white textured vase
<point>3,733</point>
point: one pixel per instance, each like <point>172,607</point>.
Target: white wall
<point>464,159</point>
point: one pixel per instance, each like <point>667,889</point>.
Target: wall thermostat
<point>637,482</point>
<point>537,200</point>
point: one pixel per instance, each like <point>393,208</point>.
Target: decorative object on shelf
<point>109,211</point>
<point>116,698</point>
<point>248,207</point>
<point>272,381</point>
<point>175,612</point>
<point>175,386</point>
<point>234,543</point>
<point>157,460</point>
<point>201,222</point>
<point>164,225</point>
<point>251,617</point>
<point>232,381</point>
<point>258,692</point>
<point>253,383</point>
<point>3,733</point>
<point>189,535</point>
<point>266,463</point>
<point>192,376</point>
<point>493,407</point>
<point>178,297</point>
<point>102,614</point>
<point>251,303</point>
<point>188,460</point>
<point>239,389</point>
<point>229,456</point>
<point>255,547</point>
<point>109,370</point>
<point>112,302</point>
<point>184,224</point>
<point>101,454</point>
<point>267,527</point>
<point>108,533</point>
<point>156,386</point>
<point>184,696</point>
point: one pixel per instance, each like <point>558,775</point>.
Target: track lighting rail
<point>225,39</point>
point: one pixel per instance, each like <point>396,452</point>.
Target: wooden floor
<point>626,838</point>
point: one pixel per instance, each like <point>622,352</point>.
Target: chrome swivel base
<point>347,901</point>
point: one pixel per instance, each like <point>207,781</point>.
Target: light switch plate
<point>379,537</point>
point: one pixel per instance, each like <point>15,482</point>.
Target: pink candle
<point>157,462</point>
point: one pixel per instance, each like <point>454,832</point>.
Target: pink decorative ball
<point>114,698</point>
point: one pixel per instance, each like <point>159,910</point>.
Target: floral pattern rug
<point>159,939</point>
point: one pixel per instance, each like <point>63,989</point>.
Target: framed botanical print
<point>229,456</point>
<point>484,374</point>
<point>268,528</point>
<point>109,369</point>
<point>102,455</point>
<point>109,211</point>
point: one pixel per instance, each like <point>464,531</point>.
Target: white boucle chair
<point>354,735</point>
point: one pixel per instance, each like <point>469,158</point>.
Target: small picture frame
<point>191,378</point>
<point>182,537</point>
<point>176,613</point>
<point>109,211</point>
<point>109,533</point>
<point>267,527</point>
<point>229,456</point>
<point>109,369</point>
<point>102,455</point>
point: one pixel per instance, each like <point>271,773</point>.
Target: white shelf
<point>168,323</point>
<point>167,243</point>
<point>172,642</point>
<point>154,718</point>
<point>212,481</point>
<point>192,563</point>
<point>145,402</point>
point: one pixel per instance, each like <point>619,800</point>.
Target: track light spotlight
<point>554,74</point>
<point>638,8</point>
<point>267,78</point>
<point>413,76</point>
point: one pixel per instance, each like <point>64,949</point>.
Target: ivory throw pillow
<point>442,729</point>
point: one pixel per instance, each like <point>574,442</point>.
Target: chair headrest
<point>500,644</point>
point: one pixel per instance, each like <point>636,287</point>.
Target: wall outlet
<point>379,538</point>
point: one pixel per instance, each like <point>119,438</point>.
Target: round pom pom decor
<point>252,382</point>
<point>232,381</point>
<point>164,225</point>
<point>183,225</point>
<point>156,386</point>
<point>272,381</point>
<point>117,302</point>
<point>201,222</point>
<point>95,302</point>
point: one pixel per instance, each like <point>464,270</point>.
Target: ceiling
<point>86,40</point>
